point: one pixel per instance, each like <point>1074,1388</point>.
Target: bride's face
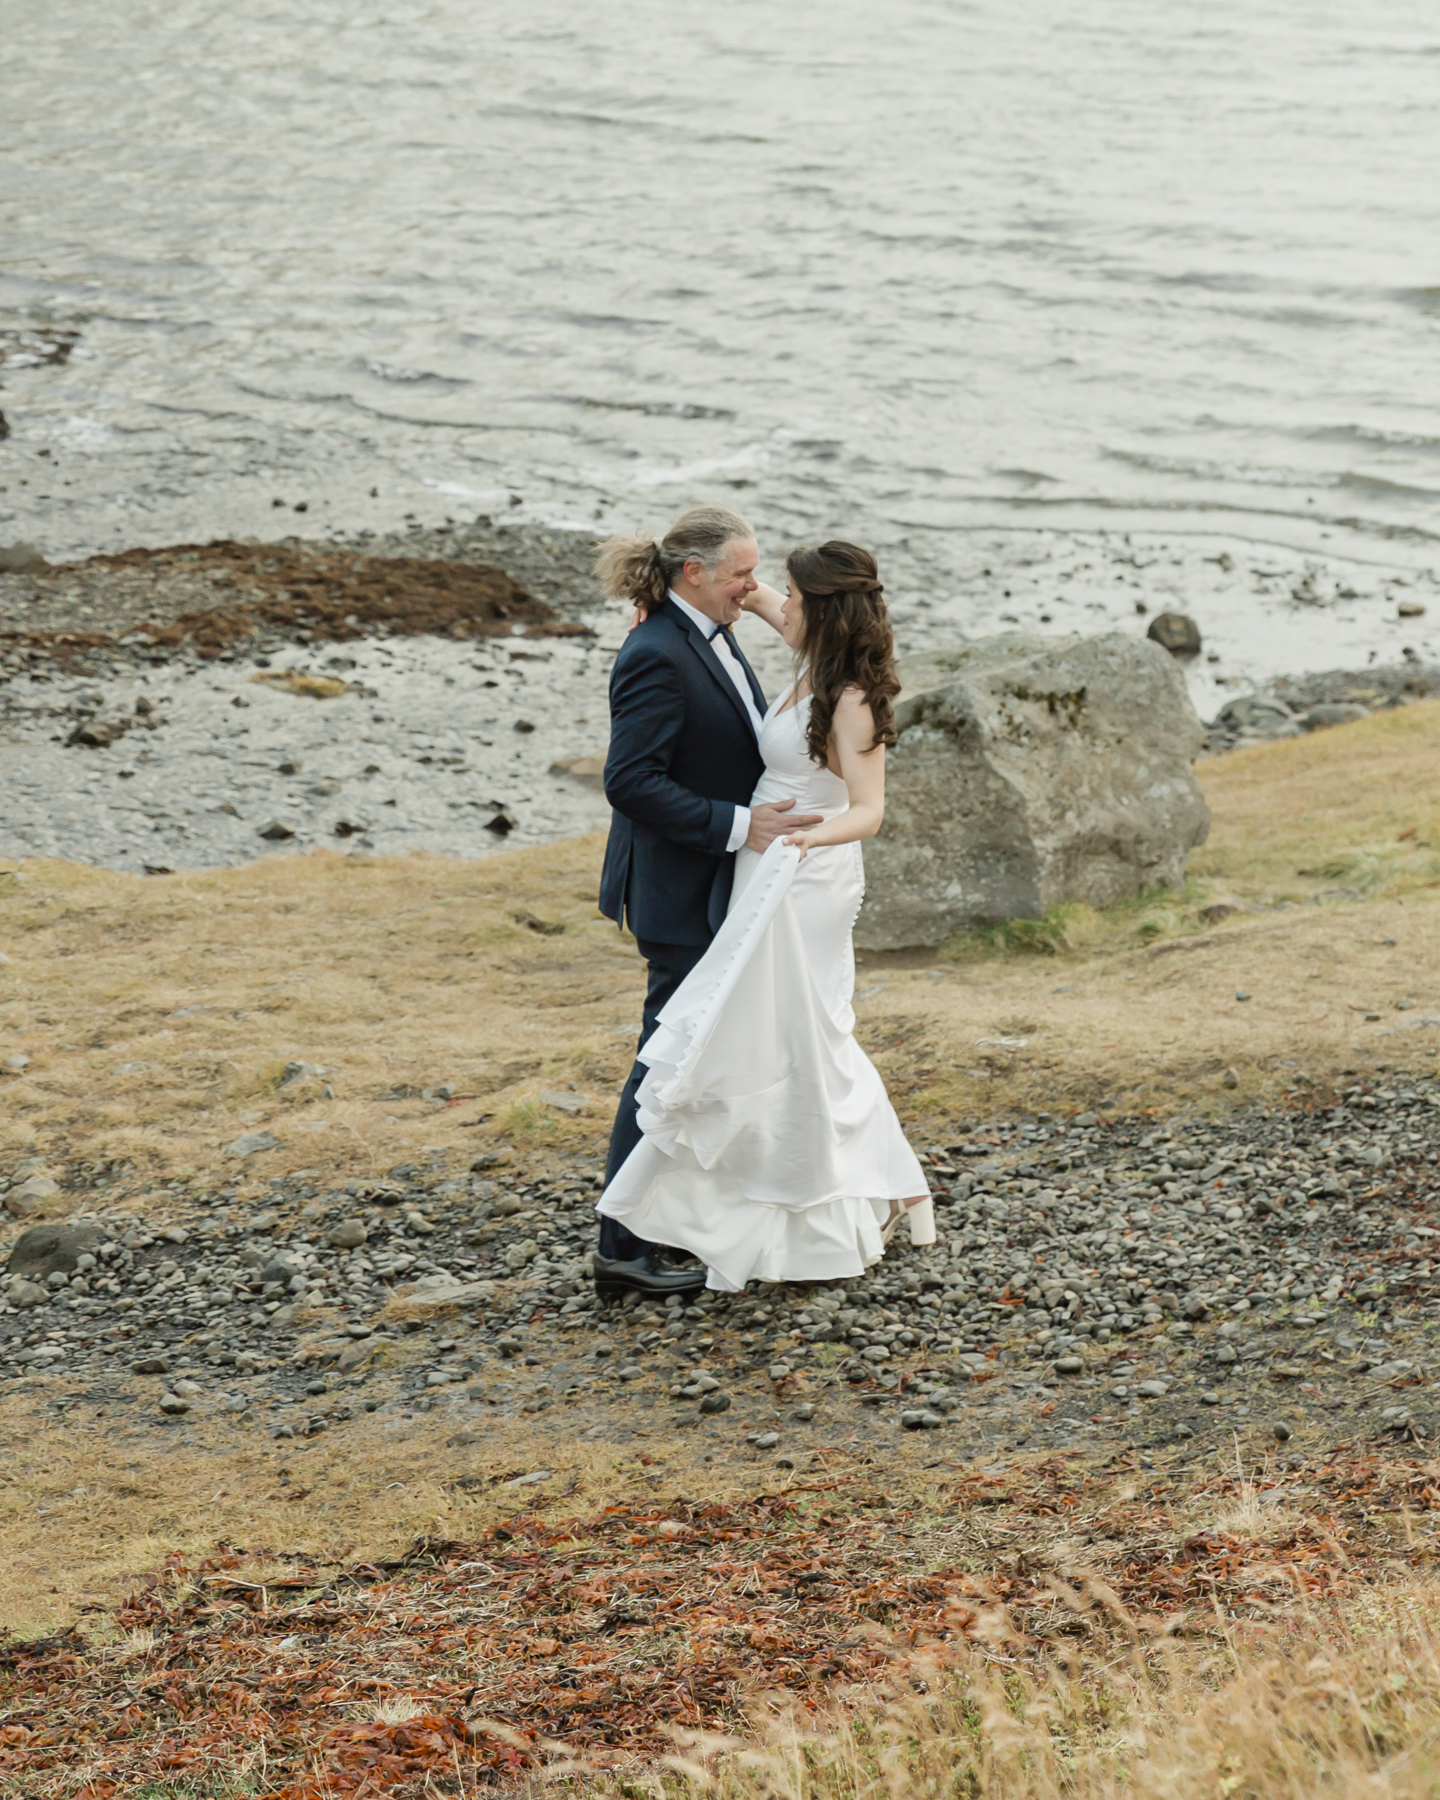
<point>792,616</point>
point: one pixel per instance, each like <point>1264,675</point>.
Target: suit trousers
<point>669,965</point>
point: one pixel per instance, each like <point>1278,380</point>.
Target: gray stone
<point>1028,772</point>
<point>250,1143</point>
<point>1258,715</point>
<point>566,1103</point>
<point>349,1234</point>
<point>174,1403</point>
<point>1175,632</point>
<point>1068,1365</point>
<point>24,1294</point>
<point>920,1421</point>
<point>151,1365</point>
<point>30,1195</point>
<point>16,1064</point>
<point>1338,712</point>
<point>295,1072</point>
<point>43,1249</point>
<point>717,1402</point>
<point>20,559</point>
<point>276,830</point>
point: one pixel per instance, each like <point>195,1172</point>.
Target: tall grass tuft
<point>1343,1708</point>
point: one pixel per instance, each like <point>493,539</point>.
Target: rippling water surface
<point>899,270</point>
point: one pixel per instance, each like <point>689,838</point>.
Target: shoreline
<point>438,690</point>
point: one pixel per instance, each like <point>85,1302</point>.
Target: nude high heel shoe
<point>919,1216</point>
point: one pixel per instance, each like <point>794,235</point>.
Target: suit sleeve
<point>647,715</point>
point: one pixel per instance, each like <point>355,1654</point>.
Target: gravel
<point>1096,1277</point>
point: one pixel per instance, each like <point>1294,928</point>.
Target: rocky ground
<point>1097,1279</point>
<point>444,688</point>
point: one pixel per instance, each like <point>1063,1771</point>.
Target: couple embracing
<point>754,1133</point>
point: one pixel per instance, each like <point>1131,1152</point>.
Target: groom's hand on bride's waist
<point>769,822</point>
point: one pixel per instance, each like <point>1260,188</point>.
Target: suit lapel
<point>755,687</point>
<point>712,662</point>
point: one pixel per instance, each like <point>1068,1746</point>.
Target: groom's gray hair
<point>644,569</point>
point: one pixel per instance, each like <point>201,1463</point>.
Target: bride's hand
<point>801,841</point>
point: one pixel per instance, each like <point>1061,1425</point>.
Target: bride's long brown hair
<point>847,640</point>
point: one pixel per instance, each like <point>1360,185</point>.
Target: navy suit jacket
<point>683,756</point>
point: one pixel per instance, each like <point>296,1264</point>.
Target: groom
<point>685,718</point>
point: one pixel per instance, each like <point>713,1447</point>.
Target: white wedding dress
<point>771,1150</point>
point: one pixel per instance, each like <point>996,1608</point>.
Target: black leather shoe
<point>644,1275</point>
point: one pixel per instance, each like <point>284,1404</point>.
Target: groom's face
<point>720,592</point>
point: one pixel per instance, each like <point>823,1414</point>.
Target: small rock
<point>1152,1390</point>
<point>1410,609</point>
<point>276,830</point>
<point>43,1249</point>
<point>1068,1365</point>
<point>1281,1432</point>
<point>717,1402</point>
<point>251,1143</point>
<point>349,1234</point>
<point>174,1403</point>
<point>1240,994</point>
<point>1222,909</point>
<point>1340,712</point>
<point>566,1103</point>
<point>1230,1079</point>
<point>292,765</point>
<point>1175,632</point>
<point>1210,1398</point>
<point>151,1365</point>
<point>805,1413</point>
<point>187,1390</point>
<point>492,1159</point>
<point>295,1072</point>
<point>778,1371</point>
<point>502,823</point>
<point>20,559</point>
<point>765,1440</point>
<point>24,1294</point>
<point>920,1421</point>
<point>17,1064</point>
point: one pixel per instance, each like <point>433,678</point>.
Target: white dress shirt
<point>724,649</point>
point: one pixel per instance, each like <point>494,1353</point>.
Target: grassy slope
<point>399,975</point>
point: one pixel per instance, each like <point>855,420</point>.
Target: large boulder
<point>1031,771</point>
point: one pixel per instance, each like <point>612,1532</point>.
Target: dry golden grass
<point>159,1013</point>
<point>1326,1705</point>
<point>88,1508</point>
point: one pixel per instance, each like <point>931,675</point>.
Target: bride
<point>770,1149</point>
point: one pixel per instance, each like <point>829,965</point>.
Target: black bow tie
<point>719,631</point>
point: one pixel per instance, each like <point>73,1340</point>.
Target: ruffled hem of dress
<point>742,1240</point>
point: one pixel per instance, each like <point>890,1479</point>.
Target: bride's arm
<point>765,603</point>
<point>863,772</point>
